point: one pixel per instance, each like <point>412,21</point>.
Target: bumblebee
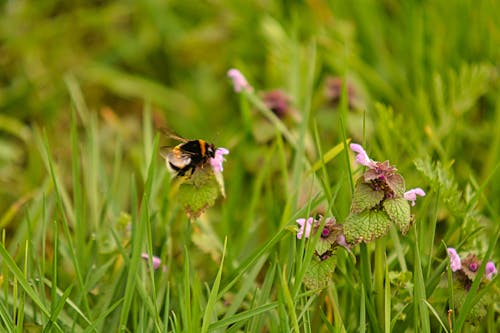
<point>185,158</point>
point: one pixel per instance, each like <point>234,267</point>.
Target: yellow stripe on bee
<point>202,147</point>
<point>177,151</point>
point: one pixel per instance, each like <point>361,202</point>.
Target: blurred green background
<point>434,63</point>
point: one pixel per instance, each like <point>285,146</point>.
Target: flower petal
<point>156,260</point>
<point>218,159</point>
<point>411,195</point>
<point>239,81</point>
<point>305,227</point>
<point>362,157</point>
<point>490,270</point>
<point>455,262</point>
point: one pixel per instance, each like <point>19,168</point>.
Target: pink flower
<point>156,260</point>
<point>305,227</point>
<point>218,159</point>
<point>362,157</point>
<point>342,242</point>
<point>411,195</point>
<point>278,102</point>
<point>490,270</point>
<point>239,81</point>
<point>455,262</point>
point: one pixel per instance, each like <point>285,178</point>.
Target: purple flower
<point>156,260</point>
<point>411,195</point>
<point>278,102</point>
<point>490,270</point>
<point>218,159</point>
<point>342,242</point>
<point>239,81</point>
<point>455,262</point>
<point>305,227</point>
<point>333,92</point>
<point>362,157</point>
<point>473,266</point>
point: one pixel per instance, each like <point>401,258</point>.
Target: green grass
<point>84,191</point>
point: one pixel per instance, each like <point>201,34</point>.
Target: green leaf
<point>365,197</point>
<point>478,311</point>
<point>366,226</point>
<point>319,273</point>
<point>396,183</point>
<point>199,192</point>
<point>399,212</point>
<point>322,246</point>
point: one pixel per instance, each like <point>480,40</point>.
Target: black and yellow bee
<point>185,158</point>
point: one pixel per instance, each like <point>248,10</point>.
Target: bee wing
<point>165,150</point>
<point>172,134</point>
<point>175,156</point>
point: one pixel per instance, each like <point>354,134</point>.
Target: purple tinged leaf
<point>396,183</point>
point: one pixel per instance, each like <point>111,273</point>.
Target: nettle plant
<point>464,273</point>
<point>380,200</point>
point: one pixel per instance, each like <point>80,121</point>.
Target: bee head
<point>210,150</point>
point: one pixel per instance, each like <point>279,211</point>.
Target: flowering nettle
<point>198,191</point>
<point>380,199</point>
<point>466,269</point>
<point>464,273</point>
<point>323,261</point>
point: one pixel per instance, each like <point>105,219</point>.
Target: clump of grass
<point>92,240</point>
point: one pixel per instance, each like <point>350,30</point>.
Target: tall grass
<point>93,195</point>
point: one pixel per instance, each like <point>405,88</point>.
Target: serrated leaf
<point>366,226</point>
<point>442,180</point>
<point>198,192</point>
<point>319,273</point>
<point>365,197</point>
<point>399,212</point>
<point>396,183</point>
<point>478,311</point>
<point>322,246</point>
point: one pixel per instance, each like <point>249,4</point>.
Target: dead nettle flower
<point>464,273</point>
<point>490,270</point>
<point>305,227</point>
<point>411,195</point>
<point>379,201</point>
<point>382,175</point>
<point>323,261</point>
<point>333,92</point>
<point>455,262</point>
<point>239,81</point>
<point>466,269</point>
<point>156,261</point>
<point>278,102</point>
<point>218,159</point>
<point>331,232</point>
